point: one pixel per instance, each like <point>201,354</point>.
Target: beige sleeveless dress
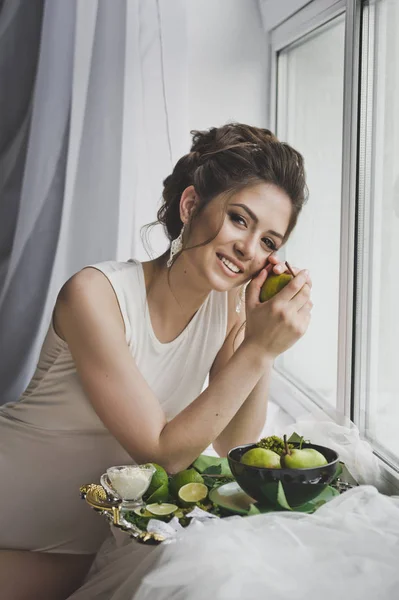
<point>52,441</point>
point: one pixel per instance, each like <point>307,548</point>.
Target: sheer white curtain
<point>109,119</point>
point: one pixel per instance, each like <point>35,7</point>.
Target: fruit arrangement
<point>170,496</point>
<point>277,453</point>
<point>176,495</point>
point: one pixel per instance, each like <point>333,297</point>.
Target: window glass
<point>381,404</point>
<point>310,117</point>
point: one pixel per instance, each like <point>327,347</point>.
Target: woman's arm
<point>87,316</point>
<point>247,424</point>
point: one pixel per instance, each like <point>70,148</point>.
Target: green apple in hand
<point>273,284</point>
<point>305,458</point>
<point>260,457</point>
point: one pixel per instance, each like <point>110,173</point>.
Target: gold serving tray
<point>96,497</point>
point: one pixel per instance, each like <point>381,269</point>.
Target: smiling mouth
<point>229,265</point>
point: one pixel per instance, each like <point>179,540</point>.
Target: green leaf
<point>140,522</point>
<point>281,499</point>
<point>274,495</point>
<point>211,482</point>
<point>216,481</point>
<point>213,470</point>
<point>339,470</point>
<point>203,462</point>
<point>253,510</point>
<point>318,504</point>
<point>298,439</point>
<point>295,438</point>
<point>347,475</point>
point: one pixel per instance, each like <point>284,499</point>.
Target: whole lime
<point>260,457</point>
<point>273,285</point>
<point>182,478</point>
<point>161,494</point>
<point>159,479</point>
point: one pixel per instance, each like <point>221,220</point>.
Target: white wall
<point>226,79</point>
<point>275,12</point>
<point>227,63</point>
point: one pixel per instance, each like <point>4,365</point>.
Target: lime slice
<point>182,478</point>
<point>193,492</point>
<point>161,510</point>
<point>142,512</point>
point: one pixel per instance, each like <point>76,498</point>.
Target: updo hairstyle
<point>227,159</point>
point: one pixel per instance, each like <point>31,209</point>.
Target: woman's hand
<point>277,267</point>
<point>275,325</point>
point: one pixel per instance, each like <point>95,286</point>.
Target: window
<point>335,69</point>
<point>377,342</point>
<point>309,117</point>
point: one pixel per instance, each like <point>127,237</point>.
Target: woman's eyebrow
<point>255,218</point>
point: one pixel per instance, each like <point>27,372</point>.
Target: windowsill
<point>298,406</point>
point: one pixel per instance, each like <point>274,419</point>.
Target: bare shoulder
<point>88,295</point>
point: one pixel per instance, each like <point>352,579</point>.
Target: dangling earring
<point>240,299</point>
<point>176,246</point>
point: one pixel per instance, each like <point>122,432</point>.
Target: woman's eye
<point>267,241</point>
<point>270,244</point>
<point>237,218</point>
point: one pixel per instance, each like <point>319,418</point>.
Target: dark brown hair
<point>227,159</point>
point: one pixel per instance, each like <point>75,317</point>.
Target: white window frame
<point>294,401</point>
<point>366,209</point>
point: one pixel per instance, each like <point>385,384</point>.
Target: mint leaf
<point>216,481</point>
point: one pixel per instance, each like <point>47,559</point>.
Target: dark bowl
<point>300,485</point>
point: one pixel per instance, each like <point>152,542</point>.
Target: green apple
<point>260,457</point>
<point>273,284</point>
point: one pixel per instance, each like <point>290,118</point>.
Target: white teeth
<point>229,264</point>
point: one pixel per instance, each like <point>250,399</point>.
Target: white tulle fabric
<point>349,549</point>
<point>357,454</point>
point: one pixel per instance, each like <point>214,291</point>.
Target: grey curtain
<point>20,29</point>
<point>36,52</point>
<point>93,115</point>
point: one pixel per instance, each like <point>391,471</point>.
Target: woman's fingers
<point>296,271</point>
<point>277,324</point>
<point>275,265</point>
<point>278,267</point>
<point>253,290</point>
<point>306,308</point>
<point>294,286</point>
<point>301,298</point>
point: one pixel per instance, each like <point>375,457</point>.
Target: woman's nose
<point>245,248</point>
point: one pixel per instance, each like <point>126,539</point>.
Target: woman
<point>121,370</point>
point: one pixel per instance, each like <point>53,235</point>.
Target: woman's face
<point>254,224</point>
